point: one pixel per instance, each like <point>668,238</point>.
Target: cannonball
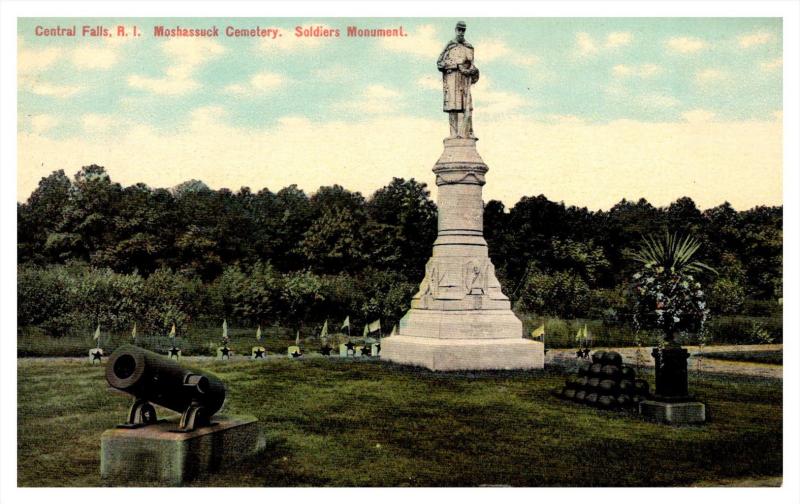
<point>626,387</point>
<point>568,393</point>
<point>628,373</point>
<point>611,371</point>
<point>593,384</point>
<point>613,358</point>
<point>581,382</point>
<point>580,395</point>
<point>642,387</point>
<point>637,399</point>
<point>596,369</point>
<point>583,369</point>
<point>591,398</point>
<point>572,381</point>
<point>606,402</point>
<point>597,357</point>
<point>623,400</point>
<point>608,387</point>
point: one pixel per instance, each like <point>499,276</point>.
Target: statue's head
<point>461,28</point>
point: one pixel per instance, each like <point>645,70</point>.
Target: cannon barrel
<point>157,379</point>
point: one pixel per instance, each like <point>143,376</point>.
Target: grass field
<point>333,422</point>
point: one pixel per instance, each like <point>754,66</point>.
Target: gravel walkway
<point>566,357</point>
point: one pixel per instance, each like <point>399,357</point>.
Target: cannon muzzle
<point>152,378</point>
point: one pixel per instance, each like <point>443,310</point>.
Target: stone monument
<point>460,319</point>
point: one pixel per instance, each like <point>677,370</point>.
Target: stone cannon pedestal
<point>460,319</point>
<point>154,455</point>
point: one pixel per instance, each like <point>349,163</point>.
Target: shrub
<point>563,293</point>
<point>726,296</point>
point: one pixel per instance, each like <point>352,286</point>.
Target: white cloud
<point>618,39</point>
<point>259,83</point>
<point>710,161</point>
<point>644,71</point>
<point>98,123</point>
<point>754,39</point>
<point>375,99</point>
<point>53,90</point>
<point>686,45</point>
<point>772,65</point>
<point>186,55</point>
<point>94,56</point>
<point>489,101</point>
<point>489,50</point>
<point>430,82</point>
<point>31,61</point>
<point>657,101</point>
<point>586,45</point>
<point>425,42</point>
<point>710,76</point>
<point>42,122</point>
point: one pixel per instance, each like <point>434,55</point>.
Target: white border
<point>9,12</point>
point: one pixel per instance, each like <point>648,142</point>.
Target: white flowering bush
<point>665,293</point>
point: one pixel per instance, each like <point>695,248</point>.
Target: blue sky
<point>539,71</point>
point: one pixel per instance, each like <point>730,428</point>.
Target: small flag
<point>224,329</point>
<point>346,322</point>
<point>580,335</point>
<point>133,332</point>
<point>375,326</point>
<point>172,332</point>
<point>258,334</point>
<point>324,333</point>
<point>97,334</point>
<point>366,330</point>
<point>539,331</point>
<point>297,338</point>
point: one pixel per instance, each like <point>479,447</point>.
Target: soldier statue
<point>458,74</point>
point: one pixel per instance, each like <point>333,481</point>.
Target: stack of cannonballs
<point>606,383</point>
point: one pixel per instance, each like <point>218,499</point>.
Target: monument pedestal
<point>460,354</point>
<point>459,318</point>
<point>153,454</point>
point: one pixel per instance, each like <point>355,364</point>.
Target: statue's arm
<point>440,63</point>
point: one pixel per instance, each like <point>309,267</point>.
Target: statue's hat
<point>461,24</point>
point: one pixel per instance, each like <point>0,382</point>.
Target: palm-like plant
<point>673,253</point>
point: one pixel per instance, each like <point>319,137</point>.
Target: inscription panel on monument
<point>460,207</point>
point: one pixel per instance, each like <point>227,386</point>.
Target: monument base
<point>463,354</point>
<point>153,454</point>
<point>677,413</point>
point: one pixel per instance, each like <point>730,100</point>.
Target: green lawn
<point>343,423</point>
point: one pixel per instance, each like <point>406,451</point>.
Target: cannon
<point>152,378</point>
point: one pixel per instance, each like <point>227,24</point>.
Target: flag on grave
<point>224,329</point>
<point>297,338</point>
<point>133,332</point>
<point>324,333</point>
<point>346,322</point>
<point>172,332</point>
<point>96,336</point>
<point>366,330</point>
<point>258,334</point>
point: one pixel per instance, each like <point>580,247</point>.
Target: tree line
<point>291,257</point>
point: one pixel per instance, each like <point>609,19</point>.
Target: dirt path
<point>705,364</point>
